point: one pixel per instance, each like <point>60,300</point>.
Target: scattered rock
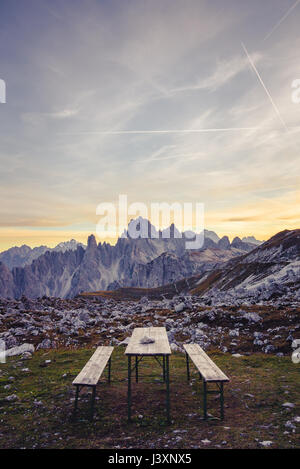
<point>45,344</point>
<point>21,349</point>
<point>179,308</point>
<point>266,444</point>
<point>206,442</point>
<point>252,317</point>
<point>175,348</point>
<point>125,341</point>
<point>290,425</point>
<point>12,398</point>
<point>37,403</point>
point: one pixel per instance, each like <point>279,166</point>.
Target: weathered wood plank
<point>92,371</point>
<point>208,369</point>
<point>159,347</point>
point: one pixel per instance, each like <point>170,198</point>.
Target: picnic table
<point>160,348</point>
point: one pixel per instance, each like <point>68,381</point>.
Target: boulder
<point>175,348</point>
<point>252,317</point>
<point>45,344</point>
<point>179,308</point>
<point>11,398</point>
<point>19,350</point>
<point>125,341</point>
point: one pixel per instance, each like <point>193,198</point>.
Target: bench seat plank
<point>208,369</point>
<point>92,371</point>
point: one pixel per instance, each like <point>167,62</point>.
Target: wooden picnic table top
<point>161,345</point>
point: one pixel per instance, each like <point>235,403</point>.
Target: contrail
<point>265,88</point>
<point>125,132</point>
<point>282,19</point>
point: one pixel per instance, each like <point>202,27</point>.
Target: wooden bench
<point>91,374</point>
<point>208,372</point>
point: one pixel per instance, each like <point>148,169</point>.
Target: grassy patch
<point>41,416</point>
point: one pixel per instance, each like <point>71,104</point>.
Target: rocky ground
<point>46,323</point>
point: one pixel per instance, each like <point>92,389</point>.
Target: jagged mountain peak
<point>91,242</point>
<point>224,243</point>
<point>252,240</point>
<point>211,235</point>
<point>68,245</point>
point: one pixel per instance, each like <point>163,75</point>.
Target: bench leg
<point>222,400</point>
<point>93,402</point>
<point>136,369</point>
<point>168,389</point>
<point>204,400</point>
<point>129,388</point>
<point>187,366</point>
<point>109,369</point>
<point>76,399</point>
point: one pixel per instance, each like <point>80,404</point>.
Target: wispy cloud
<point>64,114</point>
<point>37,117</point>
<point>225,71</point>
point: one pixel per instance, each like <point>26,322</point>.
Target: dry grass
<point>259,386</point>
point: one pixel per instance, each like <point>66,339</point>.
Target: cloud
<point>65,113</point>
<point>225,71</point>
<point>242,219</point>
<point>35,118</point>
<point>82,95</point>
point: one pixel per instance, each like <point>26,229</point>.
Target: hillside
<point>268,271</point>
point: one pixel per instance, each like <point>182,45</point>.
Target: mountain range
<point>72,268</point>
<point>268,272</point>
<point>24,255</point>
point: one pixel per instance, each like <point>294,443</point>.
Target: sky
<point>90,86</point>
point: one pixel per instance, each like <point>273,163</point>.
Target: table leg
<point>168,389</point>
<point>129,388</point>
<point>164,368</point>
